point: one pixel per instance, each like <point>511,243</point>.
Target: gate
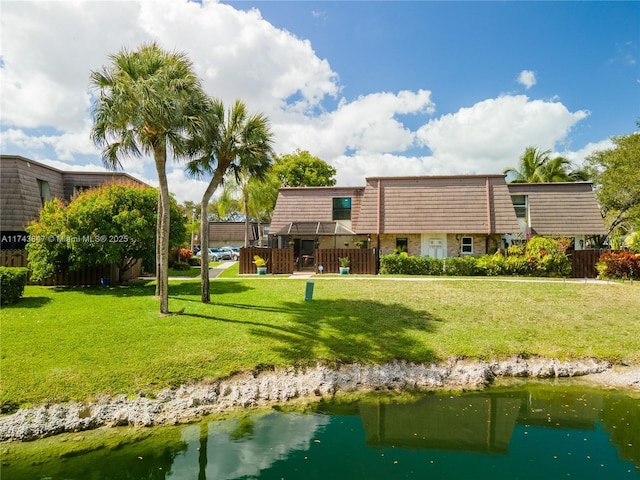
<point>583,263</point>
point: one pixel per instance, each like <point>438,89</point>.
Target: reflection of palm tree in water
<point>202,457</point>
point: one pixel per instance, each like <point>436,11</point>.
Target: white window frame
<point>468,248</point>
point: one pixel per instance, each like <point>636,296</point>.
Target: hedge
<point>541,257</point>
<point>12,283</point>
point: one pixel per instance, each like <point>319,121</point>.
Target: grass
<point>192,272</point>
<point>76,344</point>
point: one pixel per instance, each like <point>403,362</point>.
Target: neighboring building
<point>567,209</point>
<point>231,234</point>
<point>25,185</point>
<point>435,216</point>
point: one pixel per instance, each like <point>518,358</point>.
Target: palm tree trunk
<point>158,233</point>
<point>245,197</point>
<point>160,156</point>
<point>204,237</point>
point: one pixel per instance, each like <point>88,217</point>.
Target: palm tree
<point>537,167</point>
<point>149,101</point>
<point>555,170</point>
<point>233,143</point>
<point>530,162</point>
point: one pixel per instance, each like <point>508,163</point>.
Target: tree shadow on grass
<point>29,302</point>
<point>339,330</point>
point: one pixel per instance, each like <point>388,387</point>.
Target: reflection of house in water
<point>481,423</point>
<point>478,422</point>
<point>554,409</point>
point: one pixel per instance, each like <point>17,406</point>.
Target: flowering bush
<point>185,254</point>
<point>619,265</point>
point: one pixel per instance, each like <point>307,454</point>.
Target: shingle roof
<point>437,204</point>
<point>231,231</point>
<point>562,208</point>
<point>311,204</point>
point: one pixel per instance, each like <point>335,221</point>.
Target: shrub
<point>194,261</point>
<point>619,265</point>
<point>491,265</point>
<point>516,264</point>
<point>403,264</point>
<point>184,254</point>
<point>461,266</point>
<point>12,283</point>
<point>181,266</point>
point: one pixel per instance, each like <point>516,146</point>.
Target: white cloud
<point>492,134</point>
<point>527,78</point>
<point>369,124</point>
<point>578,157</point>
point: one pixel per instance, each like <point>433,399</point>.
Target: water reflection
<point>532,432</point>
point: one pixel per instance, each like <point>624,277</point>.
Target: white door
<point>434,245</point>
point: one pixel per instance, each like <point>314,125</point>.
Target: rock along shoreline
<point>270,387</point>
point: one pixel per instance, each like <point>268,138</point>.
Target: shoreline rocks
<point>280,386</point>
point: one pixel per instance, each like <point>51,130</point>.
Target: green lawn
<point>74,344</point>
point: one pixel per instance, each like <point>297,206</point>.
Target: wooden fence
<point>88,276</point>
<point>363,261</point>
<point>583,263</point>
<point>282,260</point>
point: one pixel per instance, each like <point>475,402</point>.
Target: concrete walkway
<point>213,272</point>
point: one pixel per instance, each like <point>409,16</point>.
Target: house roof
<point>437,204</point>
<point>314,228</point>
<point>231,231</point>
<point>562,208</point>
<point>311,204</point>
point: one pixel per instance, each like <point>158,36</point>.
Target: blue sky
<point>374,88</point>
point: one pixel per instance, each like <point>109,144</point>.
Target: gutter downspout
<point>488,193</point>
<point>487,189</point>
<point>378,223</point>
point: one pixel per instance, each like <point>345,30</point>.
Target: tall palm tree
<point>233,143</point>
<point>149,102</point>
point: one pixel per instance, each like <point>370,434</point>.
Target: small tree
<point>112,224</point>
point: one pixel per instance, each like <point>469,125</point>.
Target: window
<point>520,205</point>
<point>467,245</point>
<point>342,208</point>
<point>45,193</point>
<point>402,245</point>
<point>78,189</point>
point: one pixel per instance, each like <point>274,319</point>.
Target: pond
<point>529,431</point>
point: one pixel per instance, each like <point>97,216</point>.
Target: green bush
<point>12,283</point>
<point>461,266</point>
<point>542,256</point>
<point>403,264</point>
<point>180,266</point>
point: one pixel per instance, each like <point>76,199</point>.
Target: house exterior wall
<point>20,200</point>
